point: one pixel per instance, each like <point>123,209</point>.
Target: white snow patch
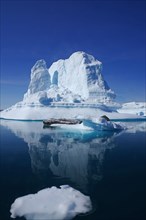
<point>22,111</point>
<point>137,108</point>
<point>51,204</point>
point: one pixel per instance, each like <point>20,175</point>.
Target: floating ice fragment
<point>51,203</point>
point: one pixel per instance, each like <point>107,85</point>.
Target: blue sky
<point>112,31</point>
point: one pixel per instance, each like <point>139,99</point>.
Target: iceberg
<point>70,88</point>
<point>51,203</point>
<point>74,80</point>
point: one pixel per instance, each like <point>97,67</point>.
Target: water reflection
<point>73,154</point>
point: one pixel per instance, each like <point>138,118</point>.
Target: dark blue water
<point>109,167</point>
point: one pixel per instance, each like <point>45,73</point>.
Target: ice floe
<point>51,204</point>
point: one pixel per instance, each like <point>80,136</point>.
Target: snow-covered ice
<point>90,125</point>
<point>137,108</point>
<point>101,124</point>
<point>68,89</point>
<point>74,80</point>
<point>34,112</point>
<point>51,204</point>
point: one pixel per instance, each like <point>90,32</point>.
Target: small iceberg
<point>51,204</point>
<point>104,124</point>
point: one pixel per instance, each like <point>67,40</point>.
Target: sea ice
<point>101,124</point>
<point>51,204</point>
<point>137,108</point>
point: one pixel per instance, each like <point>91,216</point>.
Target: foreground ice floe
<point>51,204</point>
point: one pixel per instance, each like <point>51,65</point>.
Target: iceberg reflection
<point>73,154</point>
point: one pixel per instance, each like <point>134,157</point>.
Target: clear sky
<point>112,31</point>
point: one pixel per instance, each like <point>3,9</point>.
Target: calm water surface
<point>109,167</point>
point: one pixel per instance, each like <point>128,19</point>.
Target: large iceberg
<point>70,88</point>
<point>74,80</point>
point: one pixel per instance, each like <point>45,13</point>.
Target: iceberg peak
<point>85,57</point>
<point>40,78</point>
<point>40,65</point>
